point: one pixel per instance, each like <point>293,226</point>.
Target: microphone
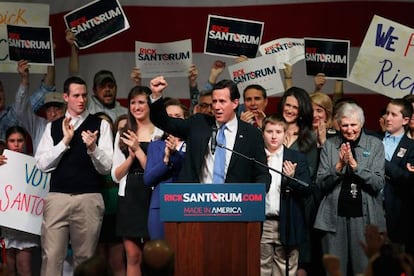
<point>303,183</point>
<point>213,143</point>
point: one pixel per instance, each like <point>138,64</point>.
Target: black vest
<point>75,172</point>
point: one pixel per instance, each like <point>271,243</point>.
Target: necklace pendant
<point>354,190</point>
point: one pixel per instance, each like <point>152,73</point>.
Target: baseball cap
<point>101,76</point>
<point>53,98</point>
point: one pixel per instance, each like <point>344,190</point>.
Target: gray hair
<point>349,110</point>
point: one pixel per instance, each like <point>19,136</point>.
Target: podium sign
<point>212,202</point>
<point>214,229</point>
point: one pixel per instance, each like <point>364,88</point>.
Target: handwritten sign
<point>23,188</point>
<point>285,50</point>
<point>22,14</point>
<point>385,60</point>
<point>170,59</point>
<point>261,70</point>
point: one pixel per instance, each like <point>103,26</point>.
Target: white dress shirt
<point>274,160</point>
<point>48,155</point>
<point>206,174</point>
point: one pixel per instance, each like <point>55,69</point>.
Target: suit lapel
<point>238,145</point>
<point>201,143</point>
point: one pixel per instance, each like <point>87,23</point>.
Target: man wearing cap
<point>104,96</point>
<point>104,85</point>
<point>53,107</point>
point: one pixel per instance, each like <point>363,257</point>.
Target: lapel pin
<point>401,152</point>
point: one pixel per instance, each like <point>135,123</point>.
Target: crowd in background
<point>108,162</point>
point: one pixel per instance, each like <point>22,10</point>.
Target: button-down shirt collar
<point>76,121</point>
<point>390,144</point>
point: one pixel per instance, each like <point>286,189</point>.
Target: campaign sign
<point>212,202</point>
<point>285,50</point>
<point>170,59</point>
<point>261,70</point>
<point>385,60</point>
<point>226,36</point>
<point>33,44</point>
<point>22,14</point>
<point>23,188</point>
<point>96,22</point>
<point>328,56</point>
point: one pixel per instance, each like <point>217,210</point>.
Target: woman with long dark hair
<point>296,108</point>
<point>129,161</point>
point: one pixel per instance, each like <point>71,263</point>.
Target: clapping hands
<point>346,157</point>
<point>89,138</point>
<point>130,139</point>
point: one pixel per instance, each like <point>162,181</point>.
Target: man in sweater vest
<point>76,149</point>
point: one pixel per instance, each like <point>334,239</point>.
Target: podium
<point>214,229</point>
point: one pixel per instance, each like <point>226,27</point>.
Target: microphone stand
<point>287,193</point>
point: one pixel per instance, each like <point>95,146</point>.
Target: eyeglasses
<point>205,105</point>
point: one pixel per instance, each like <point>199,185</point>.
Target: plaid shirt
<point>8,115</point>
<point>7,119</point>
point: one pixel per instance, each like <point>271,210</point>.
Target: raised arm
<point>216,70</point>
<point>24,111</point>
<point>136,75</point>
<point>338,90</point>
<point>74,54</point>
<point>319,81</point>
<point>288,72</point>
<point>47,85</point>
<point>193,87</point>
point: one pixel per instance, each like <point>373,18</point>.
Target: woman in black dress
<point>128,162</point>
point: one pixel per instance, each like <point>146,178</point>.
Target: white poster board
<point>261,70</point>
<point>170,59</point>
<point>23,188</point>
<point>385,60</point>
<point>285,50</point>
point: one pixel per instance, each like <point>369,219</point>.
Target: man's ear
<point>235,103</point>
<point>65,96</point>
<point>406,120</point>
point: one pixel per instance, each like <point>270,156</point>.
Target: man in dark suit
<point>399,152</point>
<point>200,130</point>
<point>284,228</point>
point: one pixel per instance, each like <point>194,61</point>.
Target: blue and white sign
<point>209,202</point>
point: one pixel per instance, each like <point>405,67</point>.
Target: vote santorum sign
<point>23,188</point>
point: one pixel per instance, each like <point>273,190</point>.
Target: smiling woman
<point>351,176</point>
<point>129,161</point>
